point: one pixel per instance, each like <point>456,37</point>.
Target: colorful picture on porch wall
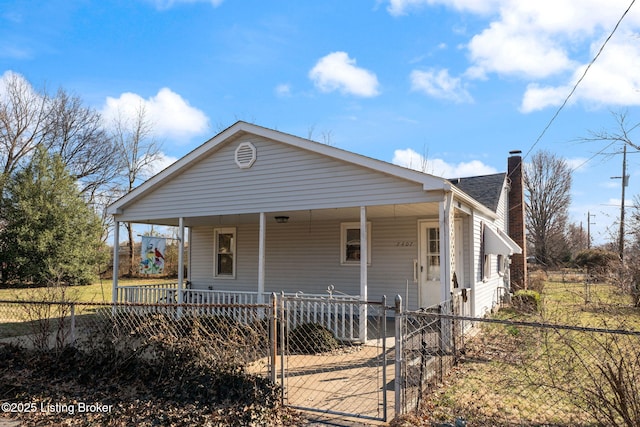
<point>152,256</point>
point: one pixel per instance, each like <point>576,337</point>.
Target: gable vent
<point>245,155</point>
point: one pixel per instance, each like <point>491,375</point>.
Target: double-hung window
<point>225,252</point>
<point>350,243</point>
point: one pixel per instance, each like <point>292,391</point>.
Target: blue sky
<point>461,82</point>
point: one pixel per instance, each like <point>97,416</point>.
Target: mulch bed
<point>74,388</point>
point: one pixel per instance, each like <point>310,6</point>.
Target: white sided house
<point>271,212</point>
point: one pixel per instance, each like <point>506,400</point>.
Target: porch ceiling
<point>343,214</point>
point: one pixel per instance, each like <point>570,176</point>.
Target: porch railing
<point>147,294</point>
<point>337,312</point>
<point>340,314</point>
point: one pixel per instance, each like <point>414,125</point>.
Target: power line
<point>592,157</point>
<point>575,86</point>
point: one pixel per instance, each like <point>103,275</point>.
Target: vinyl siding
<point>283,177</point>
<point>306,257</point>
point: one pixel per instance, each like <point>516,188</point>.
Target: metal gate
<point>333,355</point>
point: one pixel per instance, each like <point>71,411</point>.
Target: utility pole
<point>625,182</point>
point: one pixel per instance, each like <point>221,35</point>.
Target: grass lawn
<point>20,319</point>
<point>526,375</point>
<point>100,291</point>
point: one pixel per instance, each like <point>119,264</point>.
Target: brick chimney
<point>516,220</point>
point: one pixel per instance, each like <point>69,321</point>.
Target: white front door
<point>429,265</point>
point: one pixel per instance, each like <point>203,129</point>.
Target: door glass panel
<point>433,254</point>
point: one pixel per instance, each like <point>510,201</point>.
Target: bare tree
<point>138,150</point>
<point>77,134</point>
<point>23,123</point>
<point>547,181</point>
<point>577,239</point>
<point>622,134</point>
<point>65,127</point>
<point>622,139</point>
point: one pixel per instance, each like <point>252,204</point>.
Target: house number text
<point>404,243</point>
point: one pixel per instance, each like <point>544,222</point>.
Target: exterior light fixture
<point>282,219</point>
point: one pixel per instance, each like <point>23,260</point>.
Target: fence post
<point>454,323</point>
<point>384,358</point>
<point>283,321</point>
<point>441,347</point>
<point>73,324</point>
<point>273,334</point>
<point>399,381</point>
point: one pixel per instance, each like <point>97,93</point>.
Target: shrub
<point>526,300</point>
<point>311,338</point>
<point>537,280</point>
<point>596,261</point>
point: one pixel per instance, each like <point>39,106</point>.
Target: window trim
<point>216,251</point>
<point>485,258</point>
<point>502,264</point>
<point>344,226</point>
<point>486,270</point>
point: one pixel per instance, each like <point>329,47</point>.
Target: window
<point>350,243</point>
<point>502,264</point>
<point>225,252</point>
<point>485,258</point>
<point>486,268</point>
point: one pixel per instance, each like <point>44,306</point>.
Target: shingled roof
<point>485,189</point>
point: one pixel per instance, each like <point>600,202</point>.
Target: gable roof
<point>239,129</point>
<point>486,189</point>
<point>428,182</point>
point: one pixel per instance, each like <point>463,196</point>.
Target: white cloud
<point>19,80</point>
<point>522,54</point>
<point>612,80</point>
<point>438,167</point>
<point>402,7</point>
<point>168,4</point>
<point>162,162</point>
<point>170,115</point>
<point>283,90</point>
<point>439,84</point>
<point>537,97</point>
<point>337,71</point>
<point>548,43</point>
<point>577,164</point>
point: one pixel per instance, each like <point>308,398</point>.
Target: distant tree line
<point>61,165</point>
<point>555,242</point>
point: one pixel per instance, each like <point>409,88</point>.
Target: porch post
<point>446,248</point>
<point>364,256</point>
<point>261,257</point>
<point>180,259</point>
<point>116,261</point>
